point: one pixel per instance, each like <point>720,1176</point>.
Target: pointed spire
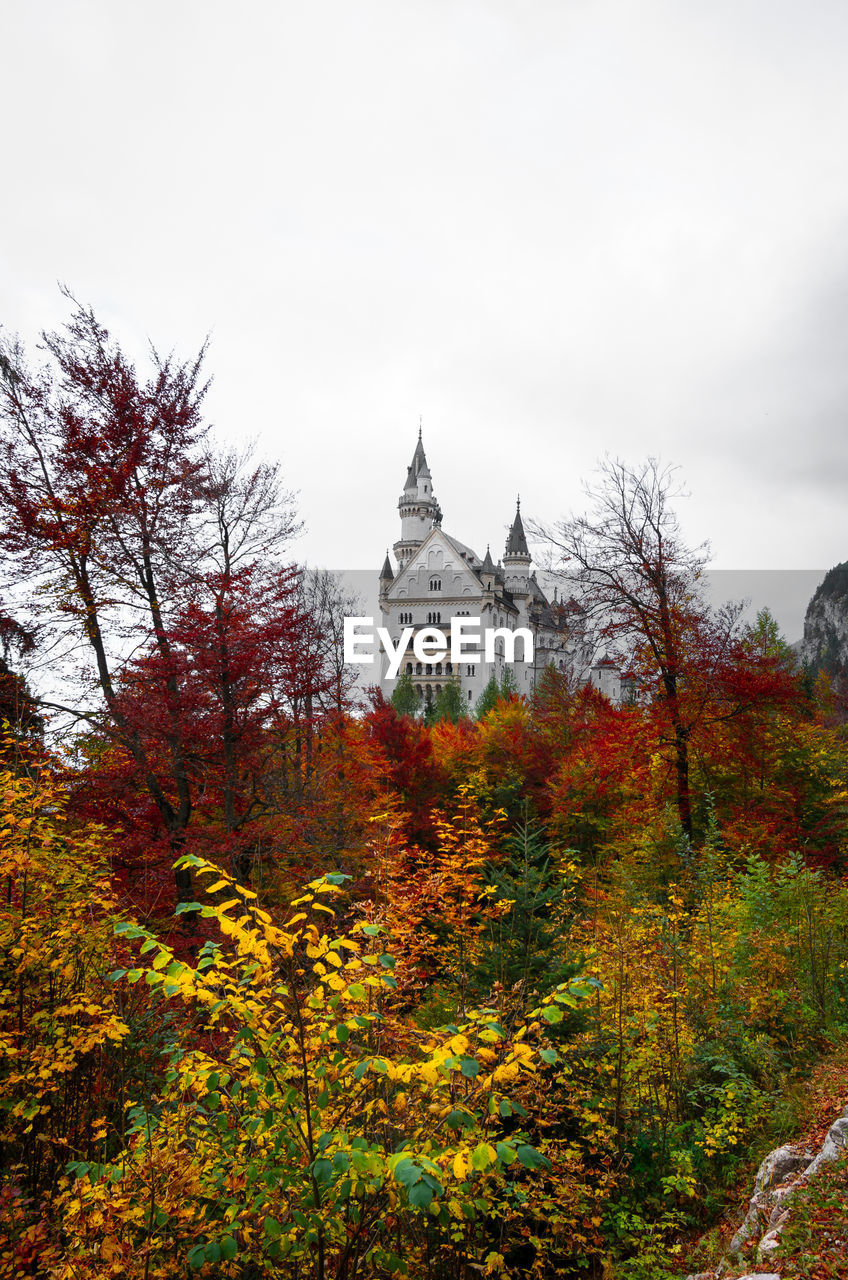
<point>516,543</point>
<point>418,465</point>
<point>488,565</point>
<point>386,574</point>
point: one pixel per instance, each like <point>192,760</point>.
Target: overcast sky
<point>549,229</point>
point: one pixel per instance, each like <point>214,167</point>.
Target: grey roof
<point>386,574</point>
<point>468,554</point>
<point>516,543</point>
<point>487,566</point>
<point>418,465</point>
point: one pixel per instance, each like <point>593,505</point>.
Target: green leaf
<point>323,1171</point>
<point>273,1230</point>
<point>406,1172</point>
<point>229,1248</point>
<point>182,907</point>
<point>531,1158</point>
<point>506,1153</point>
<point>420,1195</point>
<point>549,1055</point>
<point>505,1107</point>
<point>480,1157</point>
<point>552,1014</point>
<point>371,930</point>
<point>128,929</point>
<point>196,1256</point>
<point>190,860</point>
<point>342,1033</point>
<point>469,1067</point>
<point>212,1252</point>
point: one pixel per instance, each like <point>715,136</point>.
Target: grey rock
<point>760,1275</point>
<point>781,1198</point>
<point>779,1165</point>
<point>768,1245</point>
<point>837,1137</point>
<point>750,1227</point>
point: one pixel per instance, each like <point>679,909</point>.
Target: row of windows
<point>420,669</point>
<point>435,584</point>
<point>405,618</point>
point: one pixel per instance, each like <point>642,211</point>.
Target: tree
<point>405,698</point>
<point>495,691</point>
<point>449,704</point>
<point>488,698</point>
<point>636,577</point>
<point>142,554</point>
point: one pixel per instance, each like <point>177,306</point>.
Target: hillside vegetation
<point>300,988</point>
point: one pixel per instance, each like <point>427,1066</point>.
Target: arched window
<point>435,584</point>
<point>409,668</point>
<point>418,668</point>
<point>448,669</point>
<point>438,668</point>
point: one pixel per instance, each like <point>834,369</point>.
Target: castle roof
<point>516,543</point>
<point>386,574</point>
<point>418,465</point>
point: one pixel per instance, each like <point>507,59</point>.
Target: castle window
<point>418,668</point>
<point>470,670</point>
<point>438,668</point>
<point>409,668</point>
<point>448,669</point>
<point>435,584</point>
<point>469,695</point>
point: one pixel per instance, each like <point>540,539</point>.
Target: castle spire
<point>516,543</point>
<point>418,507</point>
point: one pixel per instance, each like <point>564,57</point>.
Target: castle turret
<point>517,559</point>
<point>417,505</point>
<point>487,572</point>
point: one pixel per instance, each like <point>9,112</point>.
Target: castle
<point>438,578</point>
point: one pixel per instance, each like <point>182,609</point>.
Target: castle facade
<point>436,578</point>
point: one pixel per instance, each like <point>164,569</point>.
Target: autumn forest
<point>297,981</point>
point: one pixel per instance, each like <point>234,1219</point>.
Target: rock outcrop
<point>825,643</point>
<point>778,1179</point>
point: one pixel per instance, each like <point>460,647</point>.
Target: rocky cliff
<point>825,643</point>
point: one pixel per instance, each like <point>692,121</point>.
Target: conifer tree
<point>406,699</point>
<point>526,953</point>
<point>449,704</point>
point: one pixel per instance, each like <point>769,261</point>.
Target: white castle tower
<point>417,505</point>
<point>438,578</point>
